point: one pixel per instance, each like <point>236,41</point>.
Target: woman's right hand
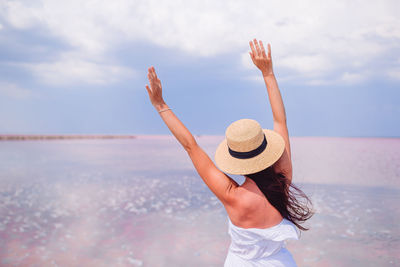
<point>260,58</point>
<point>155,89</point>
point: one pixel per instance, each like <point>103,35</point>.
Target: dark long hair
<point>292,203</point>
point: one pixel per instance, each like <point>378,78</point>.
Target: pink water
<point>140,203</point>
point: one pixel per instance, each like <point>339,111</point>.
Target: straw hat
<point>248,148</point>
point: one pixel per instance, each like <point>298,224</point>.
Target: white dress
<point>261,247</point>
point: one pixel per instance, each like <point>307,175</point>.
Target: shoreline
<point>22,137</point>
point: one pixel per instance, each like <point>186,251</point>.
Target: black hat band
<point>249,154</point>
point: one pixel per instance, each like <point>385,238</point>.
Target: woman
<point>263,211</point>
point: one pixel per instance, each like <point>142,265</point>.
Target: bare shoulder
<point>244,204</point>
<point>251,208</point>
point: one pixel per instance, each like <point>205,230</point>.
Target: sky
<point>80,67</point>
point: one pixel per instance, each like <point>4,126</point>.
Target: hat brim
<point>228,164</point>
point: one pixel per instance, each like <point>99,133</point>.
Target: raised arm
<point>264,63</point>
<point>218,182</point>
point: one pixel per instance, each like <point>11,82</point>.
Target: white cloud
<point>318,82</point>
<point>352,78</point>
<point>74,68</point>
<point>394,74</point>
<point>13,90</point>
<point>310,38</point>
<point>309,65</point>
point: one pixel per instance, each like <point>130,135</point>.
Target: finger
<point>149,74</point>
<point>151,78</point>
<point>252,56</point>
<point>257,48</point>
<point>269,50</point>
<point>154,72</point>
<point>151,71</point>
<point>252,48</point>
<point>148,89</point>
<point>263,49</point>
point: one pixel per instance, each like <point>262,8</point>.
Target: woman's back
<point>252,209</point>
<point>257,230</point>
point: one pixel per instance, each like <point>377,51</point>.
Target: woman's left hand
<point>155,89</point>
<point>262,60</point>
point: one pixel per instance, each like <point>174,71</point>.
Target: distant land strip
<point>63,136</point>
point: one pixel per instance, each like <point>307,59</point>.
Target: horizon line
<point>21,137</point>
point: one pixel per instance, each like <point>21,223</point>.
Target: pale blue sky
<point>80,67</point>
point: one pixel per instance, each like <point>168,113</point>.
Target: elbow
<point>280,117</point>
<point>190,144</point>
<point>281,121</point>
